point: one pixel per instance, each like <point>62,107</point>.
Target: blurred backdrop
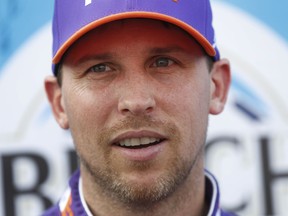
<point>247,146</point>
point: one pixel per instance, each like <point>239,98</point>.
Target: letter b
<point>10,188</point>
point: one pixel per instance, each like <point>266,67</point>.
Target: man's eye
<point>99,68</point>
<point>162,62</point>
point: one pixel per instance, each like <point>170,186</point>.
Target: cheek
<point>189,106</point>
<point>190,99</point>
<point>86,108</point>
<point>87,115</point>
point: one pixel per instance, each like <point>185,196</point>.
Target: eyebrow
<point>109,55</point>
<point>99,57</point>
<point>170,49</point>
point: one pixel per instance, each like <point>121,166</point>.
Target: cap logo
<point>87,2</point>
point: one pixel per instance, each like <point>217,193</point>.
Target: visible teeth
<point>138,141</point>
<point>146,140</point>
<point>134,141</point>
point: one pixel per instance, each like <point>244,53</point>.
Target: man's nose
<point>136,97</point>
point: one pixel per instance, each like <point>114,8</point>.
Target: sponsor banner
<point>247,146</point>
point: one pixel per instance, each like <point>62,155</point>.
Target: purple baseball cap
<point>74,18</point>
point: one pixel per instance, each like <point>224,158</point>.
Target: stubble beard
<point>137,195</point>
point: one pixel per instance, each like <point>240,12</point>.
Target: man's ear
<point>220,82</point>
<point>54,95</point>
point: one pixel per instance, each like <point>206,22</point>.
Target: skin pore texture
<point>139,81</point>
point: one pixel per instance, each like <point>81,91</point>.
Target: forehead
<point>136,33</point>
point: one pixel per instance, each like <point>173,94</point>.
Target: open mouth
<point>136,143</point>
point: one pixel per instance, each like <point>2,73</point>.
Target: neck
<point>188,199</point>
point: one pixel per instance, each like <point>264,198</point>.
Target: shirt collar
<point>212,194</point>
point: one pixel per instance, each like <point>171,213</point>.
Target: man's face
<point>136,95</point>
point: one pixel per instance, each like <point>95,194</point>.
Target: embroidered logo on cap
<point>87,2</point>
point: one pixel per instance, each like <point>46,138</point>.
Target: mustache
<point>137,123</point>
